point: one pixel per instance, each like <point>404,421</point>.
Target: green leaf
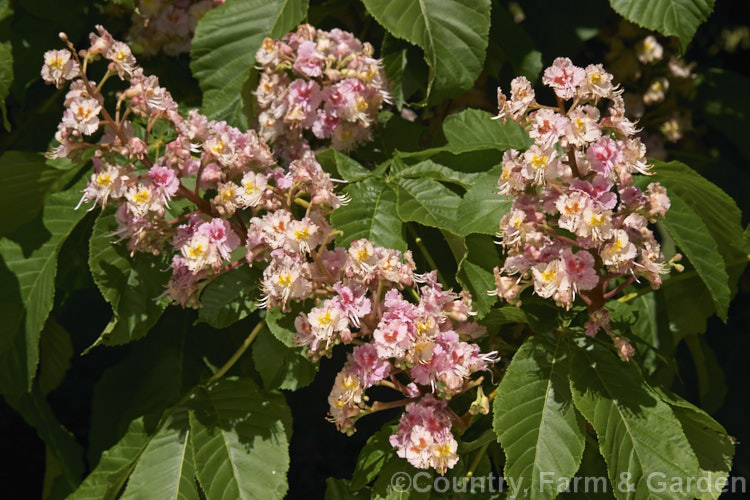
<point>370,214</point>
<point>690,233</point>
<point>155,373</point>
<point>131,285</point>
<point>107,479</point>
<point>718,210</point>
<point>726,106</point>
<point>510,42</point>
<point>6,79</point>
<point>473,129</point>
<point>239,441</point>
<point>427,202</point>
<point>712,387</point>
<point>432,170</point>
<point>475,271</point>
<point>230,297</point>
<point>638,433</point>
<point>280,366</point>
<point>55,351</point>
<point>680,18</point>
<point>339,165</point>
<point>590,482</point>
<point>28,290</point>
<point>481,207</point>
<point>165,467</point>
<point>26,181</point>
<point>340,489</point>
<point>373,456</point>
<point>224,46</point>
<point>534,418</point>
<point>61,445</point>
<point>708,439</point>
<point>453,34</point>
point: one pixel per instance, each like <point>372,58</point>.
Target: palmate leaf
<point>427,202</point>
<point>230,435</point>
<point>707,225</point>
<point>230,297</point>
<point>534,418</point>
<point>55,351</point>
<point>107,479</point>
<point>131,285</point>
<point>26,180</point>
<point>371,214</point>
<point>224,46</point>
<point>281,366</point>
<point>708,439</point>
<point>28,290</point>
<point>481,207</point>
<point>669,17</point>
<point>240,441</point>
<point>165,466</point>
<point>693,237</point>
<point>62,448</point>
<point>638,433</point>
<point>475,271</point>
<point>474,129</point>
<point>453,34</point>
<point>432,170</point>
<point>341,166</point>
<point>6,79</point>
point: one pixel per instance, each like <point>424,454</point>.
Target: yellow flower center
<point>444,450</point>
<point>227,194</point>
<point>285,279</point>
<point>325,319</point>
<point>302,234</point>
<point>104,180</point>
<point>595,78</point>
<point>539,161</point>
<point>363,254</point>
<point>596,220</point>
<point>361,103</point>
<point>83,112</point>
<point>549,275</point>
<point>196,251</point>
<point>141,196</point>
<point>57,63</point>
<point>219,147</point>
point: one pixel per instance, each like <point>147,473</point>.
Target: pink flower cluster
<point>421,341</point>
<point>168,26</point>
<point>424,435</point>
<point>577,224</point>
<point>318,86</point>
<point>213,199</point>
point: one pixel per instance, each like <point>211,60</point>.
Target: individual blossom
<point>59,67</point>
<point>649,50</point>
<point>82,116</point>
<point>563,77</point>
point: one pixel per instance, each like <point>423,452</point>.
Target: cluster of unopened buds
<point>168,26</point>
<point>320,87</point>
<point>213,199</point>
<point>577,224</point>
